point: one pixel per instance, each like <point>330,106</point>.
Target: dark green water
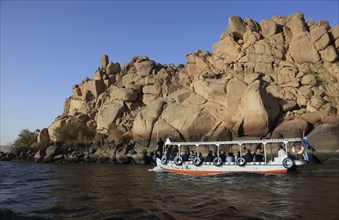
<point>87,191</point>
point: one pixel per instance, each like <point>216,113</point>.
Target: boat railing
<point>238,142</point>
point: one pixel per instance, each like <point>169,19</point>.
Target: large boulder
<point>124,94</point>
<point>291,129</point>
<point>325,141</point>
<point>113,68</point>
<point>258,112</point>
<point>329,54</point>
<point>95,87</point>
<point>179,96</point>
<point>252,25</point>
<point>302,49</point>
<point>295,25</point>
<point>104,61</point>
<point>152,89</point>
<point>221,132</point>
<point>108,114</point>
<point>227,48</point>
<point>144,122</point>
<point>250,37</point>
<point>309,80</point>
<point>236,27</point>
<point>39,155</point>
<point>98,75</point>
<point>43,137</point>
<point>234,92</point>
<point>144,68</point>
<point>52,151</point>
<point>276,91</point>
<point>198,127</point>
<point>268,28</point>
<point>314,118</point>
<point>334,33</point>
<point>214,91</point>
<point>320,37</point>
<point>191,122</point>
<point>52,127</point>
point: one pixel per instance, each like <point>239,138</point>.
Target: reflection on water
<point>107,191</point>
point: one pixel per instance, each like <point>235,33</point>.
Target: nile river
<point>91,191</point>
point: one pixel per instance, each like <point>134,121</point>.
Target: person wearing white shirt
<point>281,152</point>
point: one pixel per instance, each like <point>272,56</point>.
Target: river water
<point>93,191</point>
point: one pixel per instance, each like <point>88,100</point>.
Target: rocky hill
<point>276,78</point>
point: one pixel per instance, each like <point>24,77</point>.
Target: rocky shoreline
<point>117,153</point>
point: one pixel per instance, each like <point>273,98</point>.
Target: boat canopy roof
<point>239,142</point>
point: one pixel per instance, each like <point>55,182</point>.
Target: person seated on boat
<point>192,155</point>
<point>238,155</point>
<point>281,151</point>
<point>173,150</point>
<point>209,157</point>
<point>184,156</point>
<point>201,157</point>
<point>230,157</point>
<point>298,151</point>
<point>248,156</point>
<point>258,157</point>
<point>222,156</point>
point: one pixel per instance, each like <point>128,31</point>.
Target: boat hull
<point>189,168</point>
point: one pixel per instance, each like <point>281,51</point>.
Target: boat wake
<point>157,169</point>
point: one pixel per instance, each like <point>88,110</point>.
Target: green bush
<point>73,131</point>
<point>26,138</point>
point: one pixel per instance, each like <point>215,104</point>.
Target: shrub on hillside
<point>74,132</point>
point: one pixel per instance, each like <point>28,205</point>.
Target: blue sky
<point>48,46</point>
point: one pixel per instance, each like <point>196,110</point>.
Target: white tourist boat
<point>269,165</point>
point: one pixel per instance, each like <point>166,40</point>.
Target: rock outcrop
<point>278,77</point>
<point>325,141</point>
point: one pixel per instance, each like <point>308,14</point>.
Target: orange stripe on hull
<point>203,172</point>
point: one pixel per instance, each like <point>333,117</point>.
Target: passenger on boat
<point>160,145</point>
<point>281,152</point>
<point>209,157</point>
<point>230,157</point>
<point>192,155</point>
<point>238,155</point>
<point>184,156</point>
<point>258,156</point>
<point>248,156</point>
<point>201,157</point>
<point>222,156</point>
<point>297,151</point>
<point>172,152</point>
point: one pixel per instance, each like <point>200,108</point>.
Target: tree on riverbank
<point>26,138</point>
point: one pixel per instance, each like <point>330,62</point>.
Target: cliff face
<point>275,79</point>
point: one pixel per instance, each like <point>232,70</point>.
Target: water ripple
<point>88,191</point>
